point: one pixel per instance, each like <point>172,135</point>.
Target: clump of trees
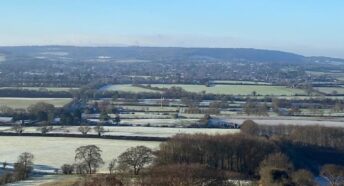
<point>321,136</point>
<point>236,153</point>
<point>42,111</point>
<point>99,180</point>
<point>308,147</point>
<point>22,169</point>
<point>276,169</point>
<point>184,174</point>
<point>254,108</point>
<point>67,169</point>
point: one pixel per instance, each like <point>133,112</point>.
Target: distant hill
<point>174,54</point>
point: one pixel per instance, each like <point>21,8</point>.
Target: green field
<point>54,89</point>
<point>338,75</point>
<point>237,89</point>
<point>218,89</point>
<point>126,88</point>
<point>330,90</point>
<point>2,58</point>
<point>240,82</point>
<point>26,102</point>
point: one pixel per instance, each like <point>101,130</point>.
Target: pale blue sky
<point>310,27</point>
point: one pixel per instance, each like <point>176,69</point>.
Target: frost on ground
<point>37,180</point>
<point>301,121</point>
<point>132,131</point>
<point>54,152</point>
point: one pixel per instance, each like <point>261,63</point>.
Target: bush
<point>67,169</point>
<point>303,178</point>
<point>6,178</point>
<point>100,180</point>
<point>249,127</point>
<point>183,174</point>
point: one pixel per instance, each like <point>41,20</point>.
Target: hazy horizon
<point>309,28</point>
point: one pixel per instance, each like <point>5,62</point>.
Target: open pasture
<point>132,131</point>
<point>125,88</point>
<point>52,89</point>
<point>240,82</point>
<point>23,103</point>
<point>217,89</point>
<point>236,89</point>
<point>2,58</point>
<point>331,90</point>
<point>54,152</point>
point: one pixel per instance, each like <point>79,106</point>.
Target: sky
<point>308,27</point>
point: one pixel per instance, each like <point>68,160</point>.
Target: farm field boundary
<point>134,138</point>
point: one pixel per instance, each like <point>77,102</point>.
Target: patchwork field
<point>240,82</point>
<point>331,90</point>
<point>237,89</point>
<point>53,89</point>
<point>217,89</point>
<point>2,58</point>
<point>126,88</point>
<point>133,131</point>
<point>338,75</point>
<point>51,152</point>
<point>26,102</point>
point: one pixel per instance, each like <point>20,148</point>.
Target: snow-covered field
<point>301,121</point>
<point>42,180</point>
<point>164,132</point>
<point>133,131</point>
<point>51,152</point>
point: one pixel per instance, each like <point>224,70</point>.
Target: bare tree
<point>99,129</point>
<point>136,158</point>
<point>45,128</point>
<point>90,155</point>
<point>17,128</point>
<point>84,129</point>
<point>334,174</point>
<point>24,165</point>
<point>4,165</point>
<point>117,119</point>
<point>112,165</point>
